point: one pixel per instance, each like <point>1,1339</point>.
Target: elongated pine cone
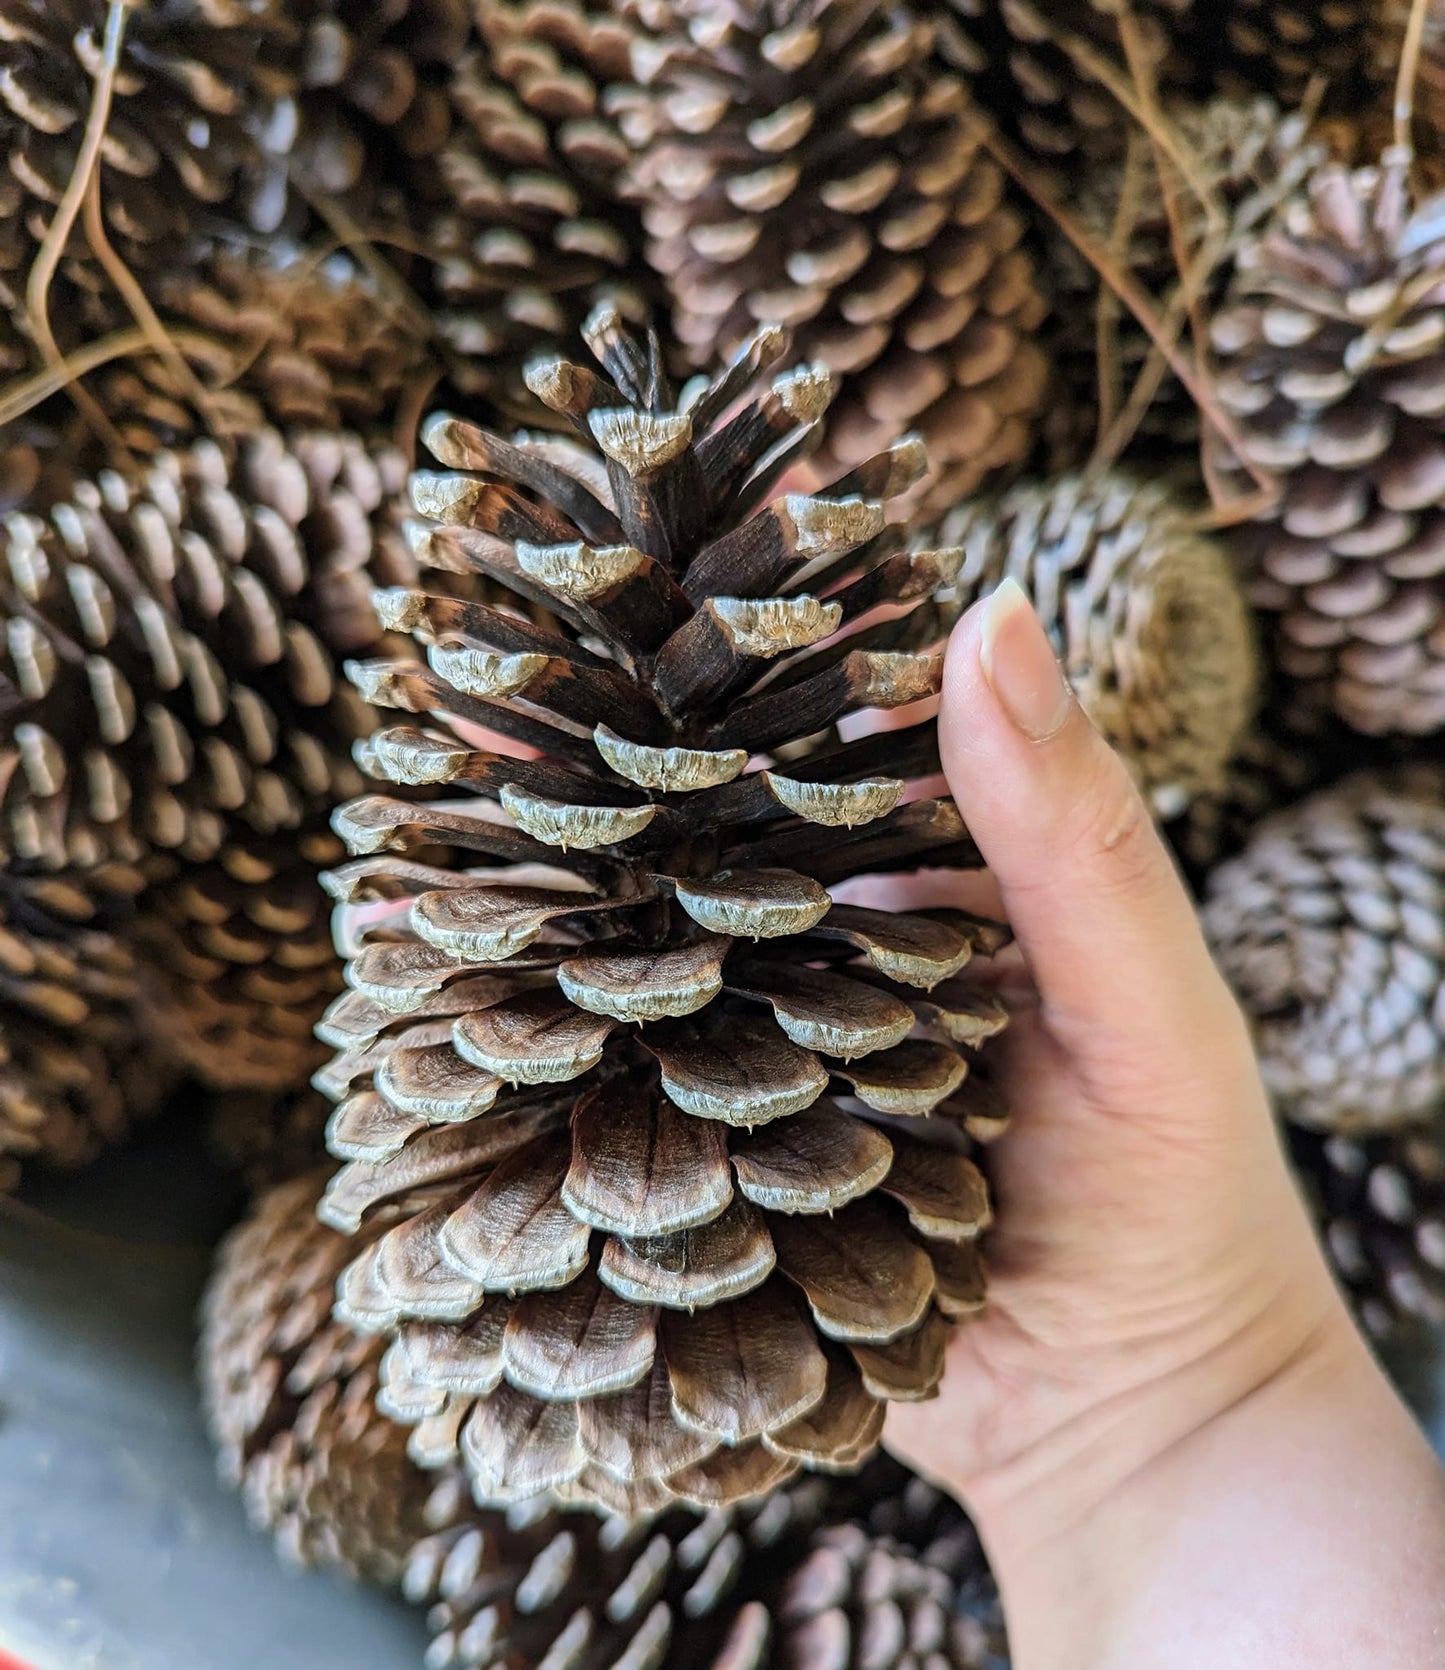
<point>289,1397</point>
<point>1144,610</point>
<point>1380,1205</point>
<point>1331,928</point>
<point>681,1144</point>
<point>530,235</point>
<point>169,670</point>
<point>1330,362</point>
<point>822,168</point>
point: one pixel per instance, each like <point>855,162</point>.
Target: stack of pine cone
<point>473,473</point>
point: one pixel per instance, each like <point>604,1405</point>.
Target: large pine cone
<point>1380,1205</point>
<point>530,235</point>
<point>1144,611</point>
<point>1331,928</point>
<point>882,1560</point>
<point>680,1143</point>
<point>169,667</point>
<point>1331,364</point>
<point>821,167</point>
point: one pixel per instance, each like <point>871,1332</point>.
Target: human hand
<point>1164,1362</point>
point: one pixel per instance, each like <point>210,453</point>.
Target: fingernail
<point>1019,663</point>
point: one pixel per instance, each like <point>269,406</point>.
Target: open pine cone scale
<point>682,1142</point>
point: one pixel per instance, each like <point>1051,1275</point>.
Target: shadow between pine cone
<point>672,1152</point>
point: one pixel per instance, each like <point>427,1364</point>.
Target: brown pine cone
<point>169,674</point>
<point>296,343</point>
<point>1380,1206</point>
<point>289,1397</point>
<point>828,173</point>
<point>1144,610</point>
<point>1286,48</point>
<point>1330,926</point>
<point>646,988</point>
<point>1330,364</point>
<point>530,235</point>
<point>77,1062</point>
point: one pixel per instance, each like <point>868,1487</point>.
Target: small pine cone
<point>831,176</point>
<point>195,98</point>
<point>296,344</point>
<point>1251,156</point>
<point>1330,364</point>
<point>1380,1206</point>
<point>289,1397</point>
<point>647,989</point>
<point>1329,928</point>
<point>1144,610</point>
<point>747,1588</point>
<point>169,670</point>
<point>530,235</point>
<point>861,1602</point>
<point>243,963</point>
<point>77,1060</point>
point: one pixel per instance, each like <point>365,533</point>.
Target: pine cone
<point>289,1397</point>
<point>1043,69</point>
<point>267,1138</point>
<point>198,108</point>
<point>530,236</point>
<point>1329,928</point>
<point>669,646</point>
<point>169,674</point>
<point>76,1064</point>
<point>1286,47</point>
<point>830,173</point>
<point>297,344</point>
<point>373,87</point>
<point>1330,364</point>
<point>1144,611</point>
<point>1380,1206</point>
<point>1252,157</point>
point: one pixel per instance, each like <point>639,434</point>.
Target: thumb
<point>1098,909</point>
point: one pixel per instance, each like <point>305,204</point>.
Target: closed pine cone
<point>599,963</point>
<point>1145,613</point>
<point>530,235</point>
<point>825,169</point>
<point>1286,47</point>
<point>170,657</point>
<point>289,1397</point>
<point>1251,156</point>
<point>76,1064</point>
<point>1380,1205</point>
<point>1330,361</point>
<point>196,107</point>
<point>1331,928</point>
<point>297,343</point>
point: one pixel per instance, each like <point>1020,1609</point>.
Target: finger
<point>1098,908</point>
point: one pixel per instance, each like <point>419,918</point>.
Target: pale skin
<point>1176,1446</point>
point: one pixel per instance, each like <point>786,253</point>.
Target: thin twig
<point>24,394</point>
<point>1138,304</point>
<point>1409,72</point>
<point>135,299</point>
<point>57,235</point>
